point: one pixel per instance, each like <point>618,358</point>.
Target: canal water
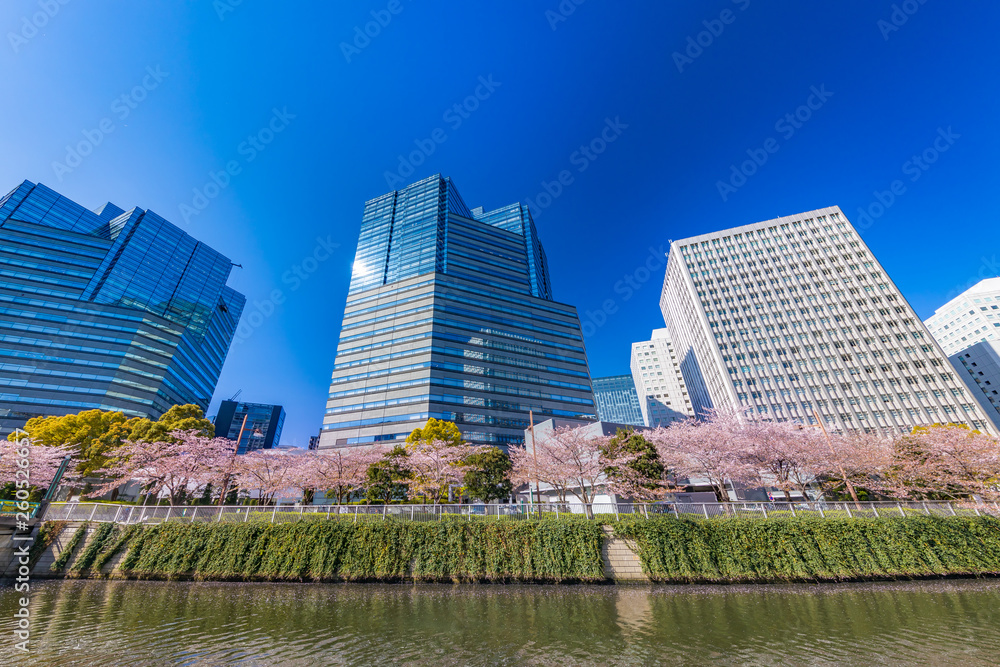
<point>153,623</point>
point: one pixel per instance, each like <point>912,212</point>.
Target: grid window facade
<point>795,317</point>
<point>617,400</point>
<point>656,372</point>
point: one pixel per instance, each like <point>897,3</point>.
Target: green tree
<point>646,467</point>
<point>386,476</point>
<point>96,434</point>
<point>436,429</point>
<point>93,433</point>
<point>487,478</point>
<point>177,418</point>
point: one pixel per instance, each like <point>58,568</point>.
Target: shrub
<point>383,551</point>
<point>808,548</point>
<point>67,553</point>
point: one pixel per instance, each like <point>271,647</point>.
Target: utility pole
<point>843,473</point>
<point>534,454</point>
<point>225,483</point>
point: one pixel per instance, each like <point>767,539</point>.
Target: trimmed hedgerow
<point>383,551</point>
<point>805,548</point>
<point>67,553</point>
<point>47,534</point>
<point>121,539</point>
<point>103,535</point>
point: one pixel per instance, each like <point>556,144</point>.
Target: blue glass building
<point>252,425</point>
<point>617,400</point>
<point>109,309</point>
<point>450,315</point>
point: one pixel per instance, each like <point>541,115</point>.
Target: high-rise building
<point>617,400</point>
<point>795,316</point>
<point>656,372</point>
<point>252,425</point>
<point>972,316</point>
<point>109,309</point>
<point>968,329</point>
<point>450,315</point>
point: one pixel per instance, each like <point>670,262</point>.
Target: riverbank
<point>662,549</point>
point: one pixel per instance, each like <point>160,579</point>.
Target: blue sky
<point>690,90</point>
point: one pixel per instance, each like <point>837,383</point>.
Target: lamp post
<point>225,482</point>
<point>843,473</point>
<point>534,454</point>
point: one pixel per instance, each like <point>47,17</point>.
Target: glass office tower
<point>260,430</point>
<point>450,315</point>
<point>109,309</point>
<point>617,400</point>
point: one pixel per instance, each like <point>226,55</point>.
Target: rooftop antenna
<point>236,395</point>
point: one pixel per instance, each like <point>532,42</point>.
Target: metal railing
<point>133,514</point>
<point>14,507</point>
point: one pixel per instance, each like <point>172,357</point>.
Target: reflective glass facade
<point>262,429</point>
<point>108,309</point>
<point>617,400</point>
<point>450,315</point>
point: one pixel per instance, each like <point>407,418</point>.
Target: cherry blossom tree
<point>708,450</point>
<point>183,465</point>
<point>571,461</point>
<point>436,464</point>
<point>267,471</point>
<point>781,453</point>
<point>852,460</point>
<point>36,464</point>
<point>341,471</point>
<point>947,461</point>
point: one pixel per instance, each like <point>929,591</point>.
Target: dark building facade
<point>450,315</point>
<point>262,429</point>
<point>109,309</point>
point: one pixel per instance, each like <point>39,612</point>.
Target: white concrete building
<point>795,316</point>
<point>968,328</point>
<point>663,396</point>
<point>972,316</point>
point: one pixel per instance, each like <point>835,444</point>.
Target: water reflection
<point>152,623</point>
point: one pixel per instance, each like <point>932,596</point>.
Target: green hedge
<point>806,548</point>
<point>67,552</point>
<point>382,551</point>
<point>103,536</point>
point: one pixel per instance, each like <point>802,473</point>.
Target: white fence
<point>132,514</point>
